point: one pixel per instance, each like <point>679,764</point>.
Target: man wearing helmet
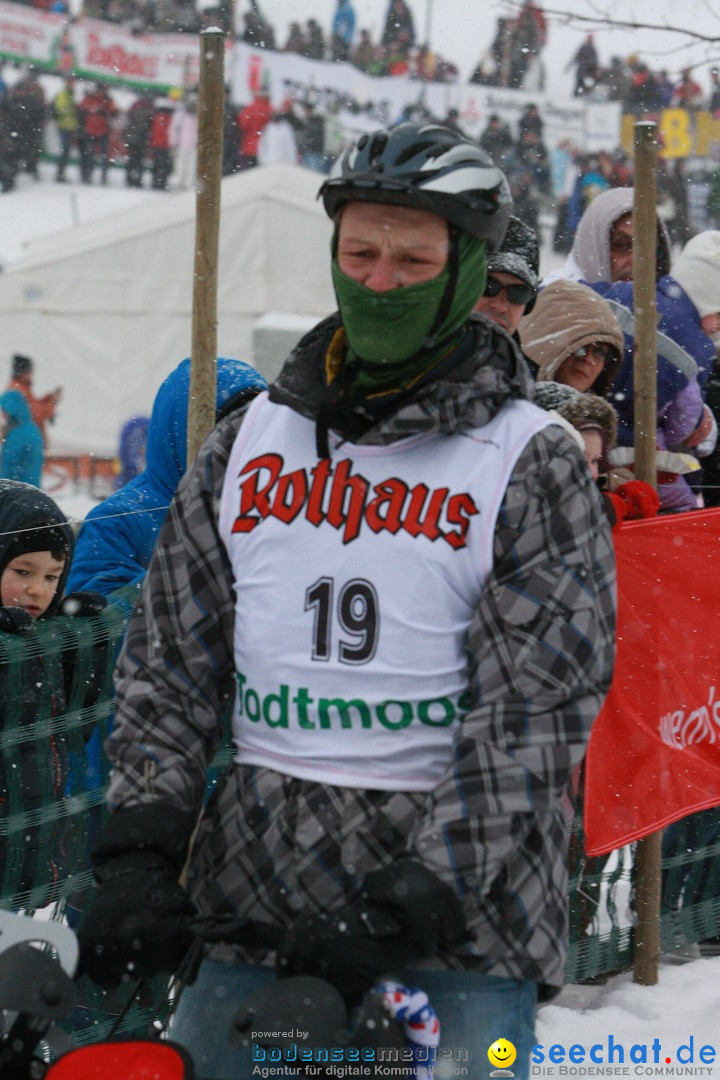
<point>400,574</point>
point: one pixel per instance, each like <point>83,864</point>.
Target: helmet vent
<point>429,148</point>
<point>377,148</point>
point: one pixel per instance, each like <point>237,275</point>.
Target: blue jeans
<point>474,1010</point>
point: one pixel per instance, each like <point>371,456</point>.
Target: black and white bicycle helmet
<point>427,167</point>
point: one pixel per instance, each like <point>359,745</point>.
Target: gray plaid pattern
<point>540,655</point>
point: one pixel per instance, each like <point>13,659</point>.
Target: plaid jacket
<point>540,649</point>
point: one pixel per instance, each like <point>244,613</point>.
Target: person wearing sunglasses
<point>512,277</point>
<point>573,337</point>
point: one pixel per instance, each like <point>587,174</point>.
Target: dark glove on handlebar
<point>82,604</point>
<point>15,620</point>
<point>404,913</point>
<point>427,910</point>
<point>138,922</point>
<point>350,948</point>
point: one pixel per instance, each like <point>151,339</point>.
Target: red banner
<point>654,753</point>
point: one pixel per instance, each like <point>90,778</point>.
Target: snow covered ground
<point>683,1010</point>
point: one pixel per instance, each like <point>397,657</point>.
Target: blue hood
<point>166,453</point>
<point>118,536</point>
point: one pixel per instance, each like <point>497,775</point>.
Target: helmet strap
<point>447,297</point>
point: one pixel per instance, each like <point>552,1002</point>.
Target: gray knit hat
<point>519,254</point>
<point>553,395</point>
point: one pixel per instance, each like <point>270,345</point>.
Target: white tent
<point>105,309</point>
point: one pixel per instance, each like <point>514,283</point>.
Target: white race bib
<point>356,579</point>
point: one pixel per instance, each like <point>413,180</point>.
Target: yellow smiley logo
<point>502,1053</point>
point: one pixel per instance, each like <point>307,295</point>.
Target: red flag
<point>654,753</point>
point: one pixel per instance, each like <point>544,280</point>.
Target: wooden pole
<point>644,279</point>
<point>648,854</point>
<point>203,375</point>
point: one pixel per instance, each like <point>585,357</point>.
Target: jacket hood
<point>166,450</point>
<point>14,405</point>
<point>567,315</point>
<point>31,521</point>
<point>591,246</point>
<point>491,371</point>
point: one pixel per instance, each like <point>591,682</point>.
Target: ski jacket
<point>42,409</point>
<point>160,129</point>
<point>344,22</point>
<point>66,111</point>
<point>97,110</point>
<point>22,452</point>
<point>539,652</point>
<point>251,123</point>
<point>678,321</point>
<point>29,692</point>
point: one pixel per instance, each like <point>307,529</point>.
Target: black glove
<point>81,604</point>
<point>15,620</point>
<point>138,922</point>
<point>404,913</point>
<point>427,910</point>
<point>351,949</point>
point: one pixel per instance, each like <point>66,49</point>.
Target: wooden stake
<point>203,375</point>
<point>648,855</point>
<point>644,286</point>
<point>646,954</point>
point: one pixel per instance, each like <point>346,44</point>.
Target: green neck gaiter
<point>386,331</point>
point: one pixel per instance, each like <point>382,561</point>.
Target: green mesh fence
<point>57,691</point>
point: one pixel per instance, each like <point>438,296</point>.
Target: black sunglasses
<point>516,293</point>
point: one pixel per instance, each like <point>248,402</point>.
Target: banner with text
<point>365,102</point>
<point>375,101</point>
<point>654,753</point>
<point>588,126</point>
<point>94,49</point>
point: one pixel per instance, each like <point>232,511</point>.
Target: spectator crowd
<point>155,137</point>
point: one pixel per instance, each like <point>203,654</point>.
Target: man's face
<point>30,581</point>
<point>387,247</point>
<point>501,308</point>
<point>621,249</point>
